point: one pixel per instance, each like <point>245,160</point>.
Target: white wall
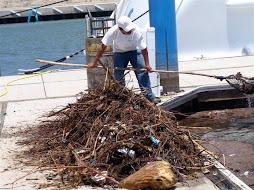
<point>205,28</point>
<point>214,28</point>
<point>201,28</point>
<point>240,17</point>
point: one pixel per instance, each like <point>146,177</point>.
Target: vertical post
<point>163,19</point>
<point>154,77</point>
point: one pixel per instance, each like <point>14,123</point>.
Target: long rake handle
<point>130,69</point>
<point>164,71</point>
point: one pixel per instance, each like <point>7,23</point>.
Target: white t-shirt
<point>124,43</point>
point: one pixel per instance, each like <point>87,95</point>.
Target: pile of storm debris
<point>110,134</point>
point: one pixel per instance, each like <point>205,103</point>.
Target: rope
<point>6,85</point>
<point>140,16</point>
<point>31,71</point>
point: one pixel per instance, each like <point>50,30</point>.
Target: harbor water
<point>230,135</point>
<point>22,43</point>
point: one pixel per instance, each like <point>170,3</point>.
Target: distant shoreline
<point>51,10</point>
<point>16,4</point>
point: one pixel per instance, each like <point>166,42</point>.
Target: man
<point>127,42</point>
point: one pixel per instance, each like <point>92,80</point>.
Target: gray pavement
<point>47,85</point>
<point>3,107</point>
<point>1,118</point>
<point>220,67</point>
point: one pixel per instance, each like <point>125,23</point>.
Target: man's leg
<point>121,61</point>
<point>137,61</point>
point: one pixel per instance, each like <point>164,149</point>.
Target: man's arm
<point>145,55</point>
<point>98,55</point>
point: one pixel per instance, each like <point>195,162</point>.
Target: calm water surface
<point>51,40</point>
<point>229,124</point>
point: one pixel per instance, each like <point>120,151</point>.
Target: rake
<point>239,82</point>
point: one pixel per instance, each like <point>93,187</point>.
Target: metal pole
<point>163,19</point>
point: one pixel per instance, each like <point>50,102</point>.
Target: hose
<point>6,85</point>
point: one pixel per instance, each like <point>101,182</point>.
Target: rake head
<point>241,83</point>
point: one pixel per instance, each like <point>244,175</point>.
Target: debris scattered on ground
<point>109,134</point>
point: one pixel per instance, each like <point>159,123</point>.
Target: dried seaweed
<point>115,131</point>
<point>241,83</point>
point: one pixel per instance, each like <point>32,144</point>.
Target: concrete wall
<point>10,4</point>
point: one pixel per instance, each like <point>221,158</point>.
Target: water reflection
<point>234,124</point>
<point>22,43</point>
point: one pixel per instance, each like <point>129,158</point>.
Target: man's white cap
<point>125,23</point>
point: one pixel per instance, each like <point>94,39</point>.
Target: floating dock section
<point>55,12</point>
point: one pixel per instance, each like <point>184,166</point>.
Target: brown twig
<point>88,167</point>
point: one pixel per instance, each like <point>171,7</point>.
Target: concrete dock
<point>28,99</point>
